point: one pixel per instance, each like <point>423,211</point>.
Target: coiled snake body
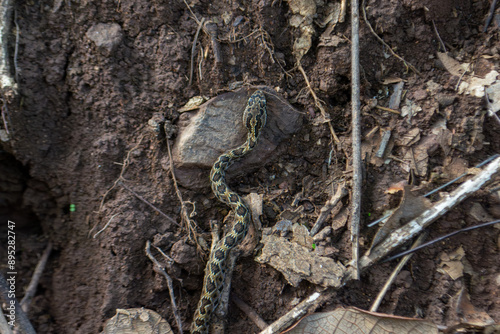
<point>254,118</point>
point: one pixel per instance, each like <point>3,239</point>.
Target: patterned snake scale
<point>254,118</point>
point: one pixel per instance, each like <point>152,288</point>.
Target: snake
<point>254,118</point>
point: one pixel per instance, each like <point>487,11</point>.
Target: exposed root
<point>189,224</point>
<point>407,64</point>
<point>161,270</point>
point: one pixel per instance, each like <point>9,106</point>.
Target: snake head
<point>254,116</point>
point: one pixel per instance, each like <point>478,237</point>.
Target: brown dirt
<point>81,110</point>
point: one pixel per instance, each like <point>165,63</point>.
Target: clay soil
<point>82,113</point>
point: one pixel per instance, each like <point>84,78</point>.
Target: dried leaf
<point>451,65</point>
<point>451,264</point>
<point>193,103</point>
<point>469,313</point>
<point>356,321</point>
<point>391,80</point>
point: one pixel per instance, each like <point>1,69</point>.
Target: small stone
<point>445,100</point>
<point>419,94</point>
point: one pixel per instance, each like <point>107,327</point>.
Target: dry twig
<point>184,214</point>
<point>31,290</point>
<point>357,179</point>
<point>125,164</point>
<point>104,228</point>
<point>415,226</point>
<point>250,312</point>
<point>8,85</point>
<point>149,203</point>
<point>193,50</point>
<point>394,274</point>
<point>160,270</point>
<point>329,205</point>
<point>319,105</point>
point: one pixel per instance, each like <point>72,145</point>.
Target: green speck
<point>72,208</point>
<point>369,214</point>
<point>314,246</point>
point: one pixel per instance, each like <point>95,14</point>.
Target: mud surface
<point>91,75</point>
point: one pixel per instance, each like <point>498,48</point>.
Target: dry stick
<point>16,48</point>
<point>148,203</point>
<point>415,226</point>
<point>389,110</point>
<point>21,319</point>
<point>125,164</point>
<point>160,270</point>
<point>329,205</point>
<point>343,10</point>
<point>357,179</point>
<point>105,226</point>
<point>439,37</point>
<point>316,299</point>
<point>310,304</point>
<point>407,64</point>
<point>318,105</point>
<point>193,50</point>
<point>5,109</point>
<point>8,85</point>
<point>184,214</point>
<point>194,16</point>
<point>490,16</point>
<point>394,274</point>
<point>31,290</point>
<point>250,312</point>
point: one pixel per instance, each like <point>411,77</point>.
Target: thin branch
<point>394,274</point>
<point>31,290</point>
<point>149,204</point>
<point>490,16</point>
<point>318,104</point>
<point>184,214</point>
<point>8,85</point>
<point>16,49</point>
<point>160,269</point>
<point>310,304</point>
<point>438,36</point>
<point>125,164</point>
<point>329,205</point>
<point>415,226</point>
<point>356,137</point>
<point>250,312</point>
<point>105,226</point>
<point>193,50</point>
<point>194,16</point>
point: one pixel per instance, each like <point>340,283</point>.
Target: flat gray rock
<point>217,127</point>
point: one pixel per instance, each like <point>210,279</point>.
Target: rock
<point>106,36</point>
<point>217,127</point>
<point>445,100</point>
<point>185,255</point>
